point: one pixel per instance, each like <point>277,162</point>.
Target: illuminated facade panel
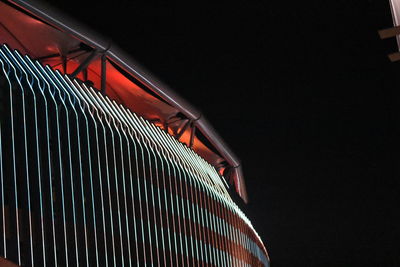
<point>87,181</point>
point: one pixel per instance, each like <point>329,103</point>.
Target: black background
<point>304,94</point>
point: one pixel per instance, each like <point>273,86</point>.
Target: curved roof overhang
<point>54,39</point>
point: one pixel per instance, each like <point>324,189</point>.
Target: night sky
<point>303,93</point>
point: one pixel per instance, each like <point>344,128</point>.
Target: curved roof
<point>54,39</point>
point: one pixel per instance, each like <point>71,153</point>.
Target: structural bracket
<point>390,32</point>
<point>184,128</point>
<point>85,63</point>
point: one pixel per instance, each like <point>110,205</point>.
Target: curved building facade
<point>103,165</point>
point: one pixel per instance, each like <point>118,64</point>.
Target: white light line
<point>3,205</point>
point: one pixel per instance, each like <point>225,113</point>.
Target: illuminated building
<point>102,164</point>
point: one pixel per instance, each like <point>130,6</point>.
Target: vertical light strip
<point>3,208</point>
<point>3,204</point>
